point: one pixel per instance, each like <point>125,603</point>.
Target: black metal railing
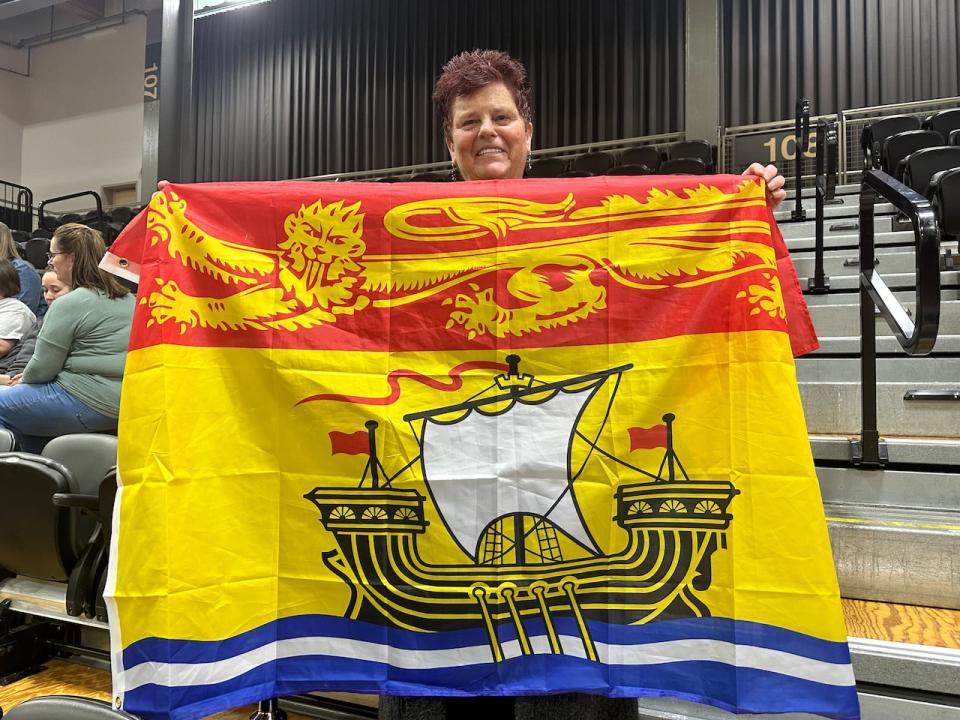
<point>801,134</point>
<point>44,204</point>
<point>916,336</point>
<point>825,185</point>
<point>16,206</point>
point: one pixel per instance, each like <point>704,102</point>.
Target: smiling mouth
<point>491,151</point>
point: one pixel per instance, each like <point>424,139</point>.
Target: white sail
<point>484,467</point>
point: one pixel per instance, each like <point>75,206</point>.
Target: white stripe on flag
<point>739,656</point>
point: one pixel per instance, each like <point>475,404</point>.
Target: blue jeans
<point>36,413</point>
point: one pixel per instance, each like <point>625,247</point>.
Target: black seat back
<point>873,135</point>
<point>683,166</point>
<point>945,197</point>
<point>596,162</point>
<point>37,539</point>
<point>896,147</point>
<point>8,441</point>
<point>954,138</point>
<point>546,168</point>
<point>645,155</point>
<point>35,252</point>
<point>698,149</point>
<point>89,457</point>
<point>921,166</point>
<point>944,122</point>
<point>630,170</point>
<point>66,707</point>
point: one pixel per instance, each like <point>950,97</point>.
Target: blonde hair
<point>87,248</point>
<point>8,248</point>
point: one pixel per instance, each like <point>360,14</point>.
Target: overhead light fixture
<point>202,8</point>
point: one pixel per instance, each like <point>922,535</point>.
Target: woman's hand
<point>15,380</point>
<point>774,180</point>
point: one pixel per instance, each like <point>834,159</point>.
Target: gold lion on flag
<point>321,270</point>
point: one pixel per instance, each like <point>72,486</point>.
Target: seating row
<point>692,157</point>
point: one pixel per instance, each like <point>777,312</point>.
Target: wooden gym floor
<point>878,621</point>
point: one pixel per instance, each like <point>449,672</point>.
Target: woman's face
<point>53,287</point>
<point>489,139</point>
<point>61,262</point>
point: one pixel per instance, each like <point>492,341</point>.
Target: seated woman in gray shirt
<point>72,382</point>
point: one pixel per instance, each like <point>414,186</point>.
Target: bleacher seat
<point>429,177</point>
<point>595,162</point>
<point>896,147</point>
<point>873,135</point>
<point>683,166</point>
<point>65,707</point>
<point>954,138</point>
<point>35,251</point>
<point>943,122</point>
<point>546,168</point>
<point>643,155</point>
<point>921,166</point>
<point>576,174</point>
<point>630,170</point>
<point>121,215</point>
<point>695,149</point>
<point>944,194</point>
<point>389,179</point>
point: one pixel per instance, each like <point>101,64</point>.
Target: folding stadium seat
<point>873,135</point>
<point>429,177</point>
<point>35,252</point>
<point>46,546</point>
<point>121,215</point>
<point>645,155</point>
<point>683,166</point>
<point>945,196</point>
<point>389,179</point>
<point>954,138</point>
<point>595,162</point>
<point>66,707</point>
<point>576,174</point>
<point>20,236</point>
<point>698,149</point>
<point>630,170</point>
<point>42,233</point>
<point>896,147</point>
<point>546,168</point>
<point>921,166</point>
<point>943,122</point>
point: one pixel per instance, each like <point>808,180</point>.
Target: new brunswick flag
<point>498,438</point>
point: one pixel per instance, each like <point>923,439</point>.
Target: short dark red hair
<point>467,72</point>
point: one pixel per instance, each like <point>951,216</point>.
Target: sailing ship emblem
<point>501,471</point>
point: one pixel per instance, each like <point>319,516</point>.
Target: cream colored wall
<point>83,115</point>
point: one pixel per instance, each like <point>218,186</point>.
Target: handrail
<point>61,198</point>
<point>801,134</point>
<point>21,207</point>
<point>917,336</point>
<point>825,185</point>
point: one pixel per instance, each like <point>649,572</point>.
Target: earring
<point>454,176</point>
<point>529,165</point>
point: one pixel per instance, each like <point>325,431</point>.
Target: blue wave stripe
<point>717,684</point>
<point>722,629</point>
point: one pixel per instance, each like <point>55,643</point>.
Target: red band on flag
<point>356,443</point>
<point>642,438</point>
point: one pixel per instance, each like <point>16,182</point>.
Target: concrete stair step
<point>851,189</point>
<point>843,320</point>
<point>807,228</point>
<point>850,242</point>
<point>886,344</point>
<point>895,534</point>
<point>847,262</point>
<point>845,288</point>
<point>834,407</point>
<point>930,368</point>
<point>849,210</point>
